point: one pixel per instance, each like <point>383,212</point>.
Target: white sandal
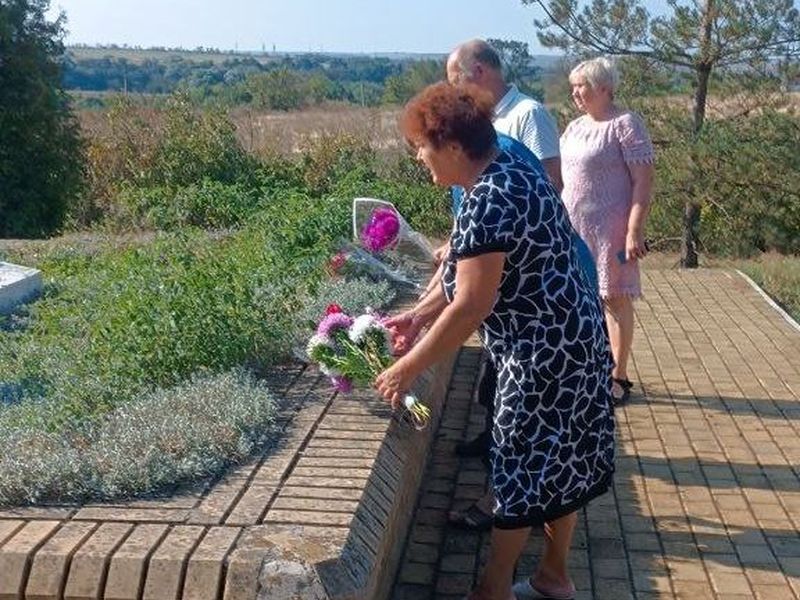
<point>524,590</point>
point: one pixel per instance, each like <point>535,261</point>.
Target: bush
<point>165,170</point>
<point>154,162</point>
<point>209,204</point>
<point>121,156</point>
<point>330,159</point>
<point>743,171</point>
<point>197,146</point>
<point>751,184</point>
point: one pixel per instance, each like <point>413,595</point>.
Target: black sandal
<point>476,447</point>
<point>472,519</point>
<point>625,385</point>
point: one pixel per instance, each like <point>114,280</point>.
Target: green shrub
<point>209,204</point>
<point>751,184</point>
<point>198,145</point>
<point>329,159</point>
<point>117,322</point>
<point>122,155</point>
<point>743,171</point>
<point>149,157</point>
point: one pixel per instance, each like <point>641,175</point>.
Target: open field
<point>266,132</point>
<point>140,55</point>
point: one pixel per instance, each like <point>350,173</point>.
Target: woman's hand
<point>635,247</point>
<point>441,253</point>
<point>394,382</point>
<point>404,328</point>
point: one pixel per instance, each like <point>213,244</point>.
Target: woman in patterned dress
<point>607,165</point>
<point>513,275</point>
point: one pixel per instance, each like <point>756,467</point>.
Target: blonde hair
<point>598,72</point>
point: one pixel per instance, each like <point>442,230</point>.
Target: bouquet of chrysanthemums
<point>384,233</point>
<point>353,261</point>
<point>354,351</point>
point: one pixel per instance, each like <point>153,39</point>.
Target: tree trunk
<point>691,210</point>
<point>691,219</point>
<point>700,97</point>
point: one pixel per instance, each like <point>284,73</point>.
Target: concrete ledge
<point>310,561</point>
<point>17,286</point>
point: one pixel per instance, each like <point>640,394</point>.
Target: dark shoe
<point>472,519</point>
<point>477,447</point>
<point>625,385</point>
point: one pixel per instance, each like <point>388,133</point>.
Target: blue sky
<point>298,25</point>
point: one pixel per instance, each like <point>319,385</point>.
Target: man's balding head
<point>470,60</point>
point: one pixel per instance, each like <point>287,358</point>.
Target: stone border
<point>18,285</point>
<point>321,515</point>
<point>315,559</point>
<point>768,299</point>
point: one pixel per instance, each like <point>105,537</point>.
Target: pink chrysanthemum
<point>381,230</point>
<point>342,384</point>
<point>333,322</point>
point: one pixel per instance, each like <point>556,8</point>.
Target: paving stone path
<point>706,501</point>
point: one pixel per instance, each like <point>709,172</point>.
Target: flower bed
<point>126,336</point>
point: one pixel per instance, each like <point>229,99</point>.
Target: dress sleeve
<point>634,140</point>
<point>486,223</point>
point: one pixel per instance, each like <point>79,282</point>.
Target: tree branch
<point>595,43</point>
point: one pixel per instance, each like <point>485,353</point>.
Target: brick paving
<point>706,500</point>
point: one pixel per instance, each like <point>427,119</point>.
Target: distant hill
<point>276,80</point>
<point>140,55</point>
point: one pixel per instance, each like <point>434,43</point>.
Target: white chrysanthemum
<point>316,341</point>
<point>361,326</point>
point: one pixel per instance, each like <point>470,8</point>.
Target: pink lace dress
<point>598,190</point>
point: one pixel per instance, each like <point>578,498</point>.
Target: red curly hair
<point>444,113</point>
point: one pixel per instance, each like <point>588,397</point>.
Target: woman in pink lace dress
<point>607,165</point>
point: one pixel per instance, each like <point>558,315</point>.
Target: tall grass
<point>779,276</point>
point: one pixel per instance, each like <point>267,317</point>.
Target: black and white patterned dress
<point>553,424</point>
